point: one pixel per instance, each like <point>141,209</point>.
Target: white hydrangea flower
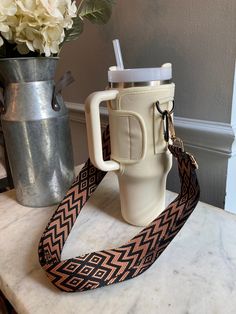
<point>1,42</point>
<point>30,37</point>
<point>53,36</point>
<point>10,24</point>
<point>27,7</point>
<point>8,7</point>
<point>22,49</point>
<point>4,27</point>
<point>51,8</point>
<point>36,25</point>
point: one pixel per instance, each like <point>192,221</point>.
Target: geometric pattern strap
<point>97,269</point>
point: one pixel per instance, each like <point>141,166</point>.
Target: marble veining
<point>196,274</point>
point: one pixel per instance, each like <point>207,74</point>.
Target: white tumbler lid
<point>117,75</point>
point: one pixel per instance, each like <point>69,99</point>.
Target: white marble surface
<point>196,274</point>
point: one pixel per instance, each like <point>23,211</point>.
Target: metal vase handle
<point>64,81</point>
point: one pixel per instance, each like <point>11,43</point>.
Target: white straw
<point>118,55</point>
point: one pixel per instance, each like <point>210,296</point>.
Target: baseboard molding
<point>215,137</point>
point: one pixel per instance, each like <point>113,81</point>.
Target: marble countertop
<point>196,274</point>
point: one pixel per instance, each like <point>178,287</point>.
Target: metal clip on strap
<point>176,141</point>
<point>169,131</point>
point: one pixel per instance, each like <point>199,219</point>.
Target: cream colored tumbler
<point>139,154</point>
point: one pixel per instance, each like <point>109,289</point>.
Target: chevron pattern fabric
<point>106,267</point>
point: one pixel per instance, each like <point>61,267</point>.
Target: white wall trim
<point>215,137</point>
<point>233,107</point>
<point>233,112</point>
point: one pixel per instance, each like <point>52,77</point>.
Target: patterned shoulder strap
<point>105,267</point>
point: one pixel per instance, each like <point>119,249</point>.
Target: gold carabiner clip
<point>176,141</point>
<point>169,132</point>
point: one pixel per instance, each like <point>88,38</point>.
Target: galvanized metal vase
<point>36,131</point>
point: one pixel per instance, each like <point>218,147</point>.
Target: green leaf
<point>97,11</point>
<point>74,32</point>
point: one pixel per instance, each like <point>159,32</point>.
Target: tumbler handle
<point>93,124</point>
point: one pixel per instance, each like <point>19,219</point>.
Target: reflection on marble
<point>196,274</point>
